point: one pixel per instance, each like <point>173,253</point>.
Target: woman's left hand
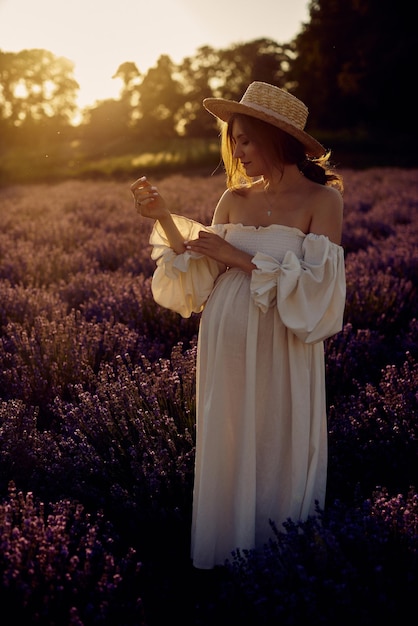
<point>214,247</point>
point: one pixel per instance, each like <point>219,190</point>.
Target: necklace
<point>275,194</point>
<point>268,202</point>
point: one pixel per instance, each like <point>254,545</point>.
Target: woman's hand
<point>148,201</point>
<point>217,248</point>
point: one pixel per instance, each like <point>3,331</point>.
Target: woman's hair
<point>279,148</point>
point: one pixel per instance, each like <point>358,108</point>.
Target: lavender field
<point>97,423</point>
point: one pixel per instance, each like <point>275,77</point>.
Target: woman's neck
<point>281,182</point>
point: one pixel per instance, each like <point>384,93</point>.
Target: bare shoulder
<point>327,196</point>
<point>227,203</point>
<point>327,213</point>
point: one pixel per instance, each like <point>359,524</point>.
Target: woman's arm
<point>215,247</point>
<point>149,203</point>
<point>327,216</point>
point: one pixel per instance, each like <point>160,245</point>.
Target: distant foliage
<point>97,421</point>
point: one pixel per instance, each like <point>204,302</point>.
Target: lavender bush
<point>97,413</point>
<point>59,567</point>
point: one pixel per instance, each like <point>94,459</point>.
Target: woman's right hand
<point>148,201</point>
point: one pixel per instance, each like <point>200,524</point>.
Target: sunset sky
<point>99,35</point>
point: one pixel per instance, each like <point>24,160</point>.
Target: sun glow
<point>98,35</point>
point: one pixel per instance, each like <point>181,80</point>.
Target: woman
<point>268,276</point>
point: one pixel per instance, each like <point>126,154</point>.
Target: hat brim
<point>223,109</point>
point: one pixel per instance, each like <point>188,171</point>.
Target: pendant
<point>269,213</point>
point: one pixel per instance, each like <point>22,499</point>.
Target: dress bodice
<point>274,240</point>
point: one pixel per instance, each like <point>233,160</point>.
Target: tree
<point>160,97</point>
<point>226,73</point>
<point>36,87</point>
<point>107,120</point>
<point>130,94</point>
<point>353,58</point>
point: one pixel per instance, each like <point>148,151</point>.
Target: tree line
<point>353,62</point>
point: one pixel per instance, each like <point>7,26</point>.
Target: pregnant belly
<point>225,316</point>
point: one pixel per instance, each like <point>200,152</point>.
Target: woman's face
<point>247,150</point>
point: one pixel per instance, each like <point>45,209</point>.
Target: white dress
<point>261,448</point>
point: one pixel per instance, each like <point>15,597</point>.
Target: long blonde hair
<point>279,148</point>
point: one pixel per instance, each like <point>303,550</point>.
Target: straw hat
<point>270,104</point>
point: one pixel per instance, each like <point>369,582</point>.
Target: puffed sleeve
<point>309,292</point>
<point>182,282</point>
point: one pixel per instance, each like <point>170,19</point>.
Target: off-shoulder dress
<point>261,439</point>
